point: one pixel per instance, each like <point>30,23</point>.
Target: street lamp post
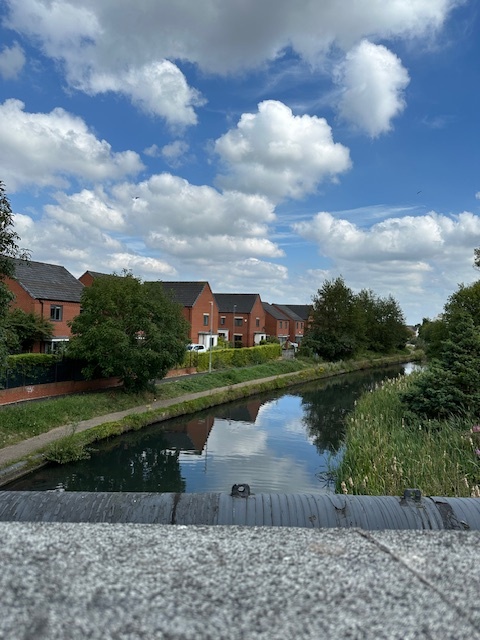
<point>210,348</point>
<point>233,324</point>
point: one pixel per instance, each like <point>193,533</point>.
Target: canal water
<point>286,441</point>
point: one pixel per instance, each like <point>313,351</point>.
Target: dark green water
<point>286,441</point>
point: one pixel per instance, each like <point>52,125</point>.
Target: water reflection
<point>276,442</point>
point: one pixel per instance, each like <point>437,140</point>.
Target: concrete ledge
<point>103,581</point>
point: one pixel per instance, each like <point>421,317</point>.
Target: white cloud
<point>12,61</point>
<point>412,258</point>
<point>47,149</point>
<point>174,152</point>
<point>373,81</point>
<point>104,46</point>
<point>157,88</point>
<point>409,238</point>
<point>278,154</point>
<point>477,195</point>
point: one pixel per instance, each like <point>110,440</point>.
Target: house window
<point>206,317</point>
<point>257,322</point>
<point>56,312</point>
<point>239,322</point>
<point>222,319</point>
<point>281,324</point>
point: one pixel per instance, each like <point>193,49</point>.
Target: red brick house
<point>89,276</point>
<point>49,291</point>
<point>199,309</point>
<point>297,324</point>
<point>277,324</point>
<point>241,318</point>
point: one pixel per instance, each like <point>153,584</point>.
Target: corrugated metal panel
<point>263,509</point>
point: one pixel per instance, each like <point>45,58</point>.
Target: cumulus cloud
<point>178,208</point>
<point>278,154</point>
<point>409,238</point>
<point>373,81</point>
<point>158,88</point>
<point>408,257</point>
<point>47,149</point>
<point>12,61</point>
<point>98,41</point>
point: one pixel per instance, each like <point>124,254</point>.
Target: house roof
<point>96,274</point>
<point>239,302</point>
<point>273,311</point>
<point>288,312</point>
<point>47,281</point>
<point>302,310</point>
<point>185,293</point>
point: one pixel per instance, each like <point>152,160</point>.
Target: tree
<point>344,324</point>
<point>128,329</point>
<point>450,386</point>
<point>333,332</point>
<point>8,249</point>
<point>23,329</point>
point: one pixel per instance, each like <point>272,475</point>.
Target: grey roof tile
<point>47,281</point>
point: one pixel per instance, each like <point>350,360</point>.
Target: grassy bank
<point>384,457</point>
<point>25,420</point>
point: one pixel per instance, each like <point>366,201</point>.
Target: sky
<point>265,146</point>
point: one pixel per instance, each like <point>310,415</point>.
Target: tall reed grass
<point>383,456</point>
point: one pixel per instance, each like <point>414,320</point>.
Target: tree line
<point>344,324</point>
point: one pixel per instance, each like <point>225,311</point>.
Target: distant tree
<point>24,329</point>
<point>8,249</point>
<point>344,324</point>
<point>432,334</point>
<point>384,328</point>
<point>128,329</point>
<point>465,299</point>
<point>335,329</point>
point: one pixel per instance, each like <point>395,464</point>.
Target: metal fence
<point>62,371</point>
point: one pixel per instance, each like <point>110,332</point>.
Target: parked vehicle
<point>196,347</point>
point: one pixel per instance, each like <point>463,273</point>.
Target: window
<point>222,319</point>
<point>206,317</point>
<point>239,322</point>
<point>281,324</point>
<point>257,322</point>
<point>56,312</point>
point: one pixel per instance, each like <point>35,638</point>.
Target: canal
<point>285,441</point>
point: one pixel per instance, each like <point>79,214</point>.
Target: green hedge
<point>225,358</point>
<point>26,362</point>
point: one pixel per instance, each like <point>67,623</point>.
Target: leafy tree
<point>344,323</point>
<point>333,331</point>
<point>8,249</point>
<point>24,329</point>
<point>128,329</point>
<point>466,299</point>
<point>432,334</point>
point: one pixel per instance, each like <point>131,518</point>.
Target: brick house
<point>277,324</point>
<point>49,291</point>
<point>88,277</point>
<point>199,309</point>
<point>241,318</point>
<point>297,324</point>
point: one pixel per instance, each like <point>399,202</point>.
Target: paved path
<point>14,452</point>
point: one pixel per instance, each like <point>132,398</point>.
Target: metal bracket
<point>240,491</point>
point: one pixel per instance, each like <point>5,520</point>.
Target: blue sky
<point>262,145</point>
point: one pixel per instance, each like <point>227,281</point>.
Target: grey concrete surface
<point>176,582</point>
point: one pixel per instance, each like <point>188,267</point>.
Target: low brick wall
<point>52,389</point>
<point>34,392</point>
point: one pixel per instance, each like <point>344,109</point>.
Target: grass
<point>384,457</point>
<point>26,420</point>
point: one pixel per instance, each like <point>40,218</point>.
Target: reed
<point>383,456</point>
